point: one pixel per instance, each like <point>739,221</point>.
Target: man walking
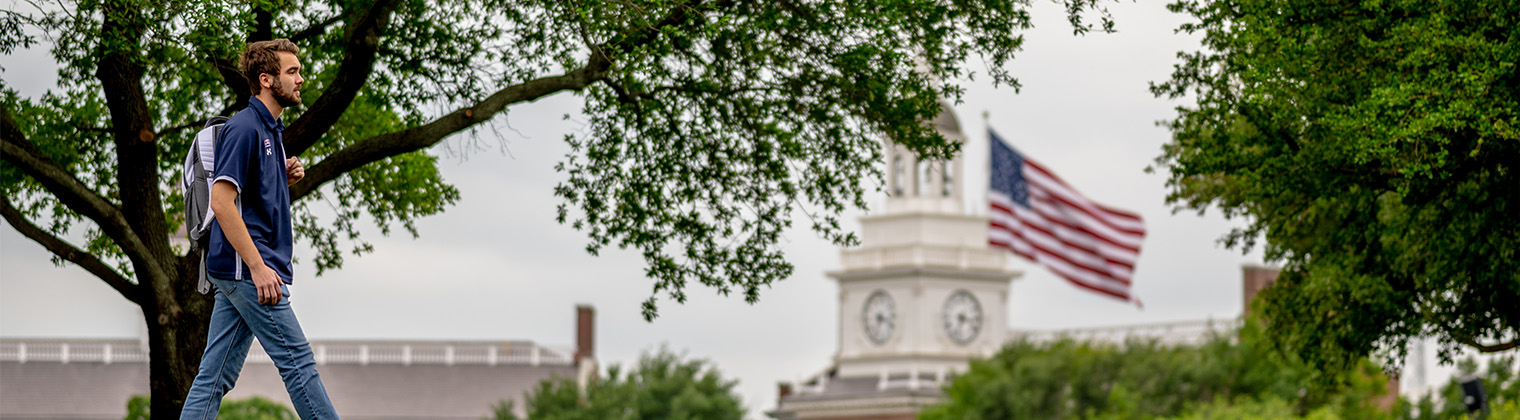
<point>248,258</point>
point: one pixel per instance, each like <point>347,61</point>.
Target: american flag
<point>1036,215</point>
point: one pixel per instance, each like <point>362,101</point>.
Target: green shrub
<point>252,408</point>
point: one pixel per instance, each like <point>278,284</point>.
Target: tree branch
<point>62,184</point>
<point>1490,348</point>
<point>181,127</point>
<point>678,16</point>
<point>231,77</point>
<point>315,29</point>
<point>353,73</point>
<point>85,260</point>
<point>417,138</point>
<point>263,25</point>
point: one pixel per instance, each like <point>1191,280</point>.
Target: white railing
<point>68,351</point>
<point>818,385</point>
<point>1183,332</point>
<point>924,256</point>
<point>424,353</point>
<point>361,353</point>
<point>914,381</point>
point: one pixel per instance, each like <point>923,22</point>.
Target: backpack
<point>199,166</point>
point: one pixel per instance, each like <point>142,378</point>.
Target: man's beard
<point>285,99</point>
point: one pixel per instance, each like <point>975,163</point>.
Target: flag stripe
<point>1013,241</point>
<point>1129,218</point>
<point>1042,238</point>
<point>1080,223</point>
<point>1082,277</point>
<point>1036,215</point>
<point>1076,267</point>
<point>1077,203</point>
<point>1107,248</point>
<point>1119,295</point>
<point>1009,246</point>
<point>1078,256</point>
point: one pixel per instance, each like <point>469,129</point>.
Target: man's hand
<point>293,170</point>
<point>267,283</point>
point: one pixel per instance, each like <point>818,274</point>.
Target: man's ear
<point>266,80</point>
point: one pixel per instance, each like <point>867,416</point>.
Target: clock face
<point>880,316</point>
<point>963,317</point>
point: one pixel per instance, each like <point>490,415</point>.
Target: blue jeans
<point>235,320</point>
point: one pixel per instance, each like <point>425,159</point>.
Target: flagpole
<point>987,166</point>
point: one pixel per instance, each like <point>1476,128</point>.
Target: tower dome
<point>946,122</point>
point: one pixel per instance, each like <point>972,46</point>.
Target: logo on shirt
<point>268,148</point>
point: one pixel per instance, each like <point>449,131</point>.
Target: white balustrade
<point>415,353</point>
<point>961,257</point>
<point>1186,332</point>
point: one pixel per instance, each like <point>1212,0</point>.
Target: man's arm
<point>223,194</point>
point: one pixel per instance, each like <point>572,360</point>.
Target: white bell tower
<point>923,293</point>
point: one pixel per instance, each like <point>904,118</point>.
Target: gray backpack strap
<point>204,286</point>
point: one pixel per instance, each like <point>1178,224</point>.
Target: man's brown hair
<point>261,57</point>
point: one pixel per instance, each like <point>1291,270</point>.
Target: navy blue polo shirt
<point>251,156</point>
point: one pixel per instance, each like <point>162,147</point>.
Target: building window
<point>897,176</point>
<point>925,177</point>
<point>948,186</point>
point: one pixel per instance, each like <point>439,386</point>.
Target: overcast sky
<point>496,266</point>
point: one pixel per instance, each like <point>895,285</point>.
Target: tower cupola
<point>926,185</point>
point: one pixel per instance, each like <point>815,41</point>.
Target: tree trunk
<point>176,343</point>
<point>176,315</point>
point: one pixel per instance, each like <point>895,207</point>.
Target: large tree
<point>709,123</point>
<point>1374,148</point>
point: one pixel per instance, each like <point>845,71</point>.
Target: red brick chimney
<point>783,389</point>
<point>1254,278</point>
<point>585,332</point>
